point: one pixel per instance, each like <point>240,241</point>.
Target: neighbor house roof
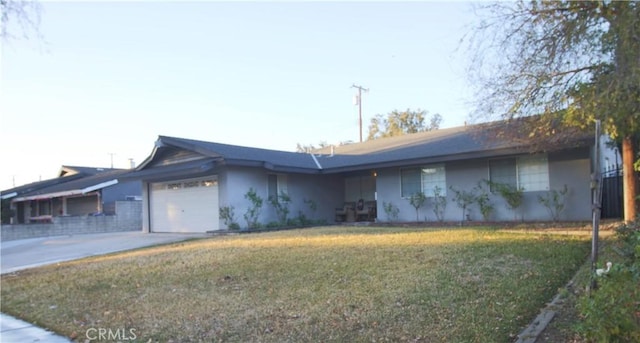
<point>84,171</point>
<point>458,143</point>
<point>74,180</point>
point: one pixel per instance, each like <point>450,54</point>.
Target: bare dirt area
<point>562,327</point>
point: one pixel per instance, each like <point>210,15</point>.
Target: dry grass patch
<point>328,284</point>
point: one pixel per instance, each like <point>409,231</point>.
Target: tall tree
<point>399,123</point>
<point>571,62</point>
<point>307,148</point>
<point>19,19</point>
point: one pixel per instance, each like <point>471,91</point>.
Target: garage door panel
<point>185,206</point>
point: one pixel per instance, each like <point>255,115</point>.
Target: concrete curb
<point>531,333</point>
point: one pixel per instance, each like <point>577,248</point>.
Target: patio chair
<point>345,213</point>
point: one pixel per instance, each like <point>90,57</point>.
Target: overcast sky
<point>108,77</point>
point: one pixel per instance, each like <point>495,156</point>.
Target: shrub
<point>281,204</point>
<point>313,207</point>
<point>417,200</point>
<point>253,212</point>
<point>483,201</point>
<point>611,313</point>
<point>554,202</point>
<point>439,203</point>
<point>228,215</point>
<point>463,199</point>
<point>511,194</point>
<point>391,211</point>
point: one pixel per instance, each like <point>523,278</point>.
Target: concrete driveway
<point>33,252</point>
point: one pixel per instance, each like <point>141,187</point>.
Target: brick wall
<point>128,217</point>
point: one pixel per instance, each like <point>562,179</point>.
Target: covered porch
<point>360,198</point>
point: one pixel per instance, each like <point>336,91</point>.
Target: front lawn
<point>325,284</point>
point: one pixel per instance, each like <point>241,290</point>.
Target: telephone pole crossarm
<point>360,89</point>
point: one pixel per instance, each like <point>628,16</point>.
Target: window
<point>530,173</point>
<point>209,183</point>
<point>277,184</point>
<point>176,185</point>
<point>533,173</point>
<point>425,179</point>
<point>503,171</point>
<point>191,184</point>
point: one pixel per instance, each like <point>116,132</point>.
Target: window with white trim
<point>530,173</point>
<point>425,179</point>
<point>533,173</point>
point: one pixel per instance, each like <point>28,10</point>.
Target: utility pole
<point>111,154</point>
<point>359,103</point>
<point>596,191</point>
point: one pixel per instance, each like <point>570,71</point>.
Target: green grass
<point>326,284</point>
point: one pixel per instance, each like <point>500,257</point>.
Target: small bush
<point>417,200</point>
<point>273,225</point>
<point>439,203</point>
<point>554,201</point>
<point>391,211</point>
<point>253,212</point>
<point>483,201</point>
<point>228,215</point>
<point>513,195</point>
<point>611,313</point>
<point>463,199</point>
<point>302,219</point>
<point>281,204</point>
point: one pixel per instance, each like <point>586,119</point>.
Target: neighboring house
<point>77,191</point>
<point>185,182</point>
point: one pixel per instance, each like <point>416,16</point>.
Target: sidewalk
<point>13,330</point>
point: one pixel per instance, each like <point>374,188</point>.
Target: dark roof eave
<point>161,173</point>
<point>270,166</point>
<point>434,159</point>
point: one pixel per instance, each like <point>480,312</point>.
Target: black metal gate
<point>612,205</point>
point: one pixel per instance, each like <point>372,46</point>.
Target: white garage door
<point>184,205</point>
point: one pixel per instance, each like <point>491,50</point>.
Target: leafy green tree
<point>399,123</point>
<point>570,63</point>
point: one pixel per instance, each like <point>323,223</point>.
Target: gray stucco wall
<point>327,191</point>
<point>570,168</point>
